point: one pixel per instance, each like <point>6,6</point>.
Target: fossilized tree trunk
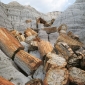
<point>8,44</point>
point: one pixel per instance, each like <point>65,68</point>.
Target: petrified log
<point>14,32</point>
<point>56,77</point>
<point>44,47</point>
<point>8,44</point>
<point>34,82</point>
<point>17,35</point>
<point>33,46</point>
<point>74,44</point>
<point>26,61</point>
<point>70,34</point>
<point>82,63</point>
<point>5,82</point>
<point>77,76</point>
<point>29,32</point>
<point>50,29</point>
<point>54,61</point>
<point>74,61</point>
<point>62,28</point>
<point>64,49</point>
<point>40,20</point>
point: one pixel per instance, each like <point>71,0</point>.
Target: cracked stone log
<point>32,41</point>
<point>62,29</point>
<point>72,58</point>
<point>70,34</point>
<point>29,32</point>
<point>19,36</point>
<point>34,82</point>
<point>82,63</point>
<point>33,46</point>
<point>74,44</point>
<point>50,29</point>
<point>40,20</point>
<point>26,61</point>
<point>8,44</point>
<point>77,76</point>
<point>5,82</point>
<point>74,61</point>
<point>64,49</point>
<point>44,47</point>
<point>53,60</point>
<point>56,76</point>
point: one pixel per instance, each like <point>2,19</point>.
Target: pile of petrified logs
<point>63,64</point>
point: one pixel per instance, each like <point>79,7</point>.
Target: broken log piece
<point>34,82</point>
<point>26,61</point>
<point>40,20</point>
<point>17,35</point>
<point>70,34</point>
<point>29,32</point>
<point>5,82</point>
<point>34,43</point>
<point>74,61</point>
<point>22,38</point>
<point>54,61</point>
<point>8,44</point>
<point>29,39</point>
<point>56,77</point>
<point>74,44</point>
<point>64,49</point>
<point>82,63</point>
<point>62,28</point>
<point>77,76</point>
<point>14,32</point>
<point>44,47</point>
<point>50,29</point>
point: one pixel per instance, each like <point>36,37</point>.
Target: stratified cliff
<point>74,18</point>
<point>14,16</point>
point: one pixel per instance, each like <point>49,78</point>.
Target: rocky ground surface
<point>39,50</point>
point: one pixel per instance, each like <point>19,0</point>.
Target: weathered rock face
<point>74,17</point>
<point>54,15</point>
<point>14,16</point>
<point>4,21</point>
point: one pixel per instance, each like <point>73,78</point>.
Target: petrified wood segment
<point>50,29</point>
<point>64,49</point>
<point>56,77</point>
<point>8,43</point>
<point>77,76</point>
<point>26,61</point>
<point>54,61</point>
<point>5,82</point>
<point>34,82</point>
<point>44,47</point>
<point>17,35</point>
<point>29,32</point>
<point>71,42</point>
